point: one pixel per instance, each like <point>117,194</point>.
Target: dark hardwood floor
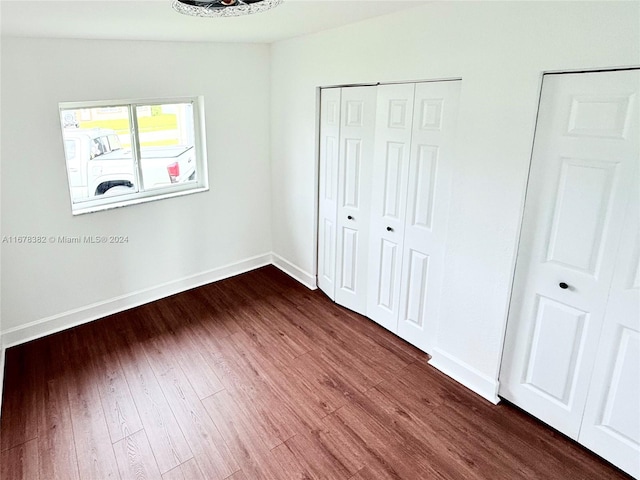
<point>256,377</point>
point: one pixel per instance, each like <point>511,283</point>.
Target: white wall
<point>499,50</point>
<point>190,237</point>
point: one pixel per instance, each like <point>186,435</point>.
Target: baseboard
<point>465,374</point>
<point>56,323</point>
<point>293,271</point>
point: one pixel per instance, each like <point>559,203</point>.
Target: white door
<point>428,193</point>
<point>358,113</point>
<point>611,424</point>
<point>584,159</point>
<point>388,201</point>
<point>328,188</point>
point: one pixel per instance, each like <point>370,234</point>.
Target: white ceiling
<point>156,20</point>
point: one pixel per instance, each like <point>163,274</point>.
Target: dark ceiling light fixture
<point>223,8</point>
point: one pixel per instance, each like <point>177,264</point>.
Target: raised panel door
<point>427,202</point>
<point>611,423</point>
<point>581,179</point>
<point>388,201</point>
<point>328,188</point>
<point>357,126</point>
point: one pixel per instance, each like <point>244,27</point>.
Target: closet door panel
<point>357,126</point>
<point>611,423</point>
<point>328,191</point>
<point>425,222</point>
<point>388,201</point>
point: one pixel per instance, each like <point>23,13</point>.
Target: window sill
<point>125,202</point>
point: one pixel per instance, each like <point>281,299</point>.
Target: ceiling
<point>156,20</point>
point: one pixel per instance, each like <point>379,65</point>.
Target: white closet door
<point>611,424</point>
<point>430,170</point>
<point>581,178</point>
<point>354,195</point>
<point>388,201</point>
<point>328,188</point>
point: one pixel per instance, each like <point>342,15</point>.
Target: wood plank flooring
<point>256,377</point>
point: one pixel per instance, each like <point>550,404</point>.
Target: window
<point>126,152</point>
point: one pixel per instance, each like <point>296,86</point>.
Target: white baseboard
<point>465,374</point>
<point>62,321</point>
<point>295,272</point>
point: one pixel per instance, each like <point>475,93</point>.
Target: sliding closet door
<point>389,201</point>
<point>428,192</point>
<point>328,189</point>
<point>358,113</point>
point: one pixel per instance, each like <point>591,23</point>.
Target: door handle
<point>349,217</point>
<point>389,229</point>
<point>563,285</point>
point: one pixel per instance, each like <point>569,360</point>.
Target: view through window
<point>127,152</point>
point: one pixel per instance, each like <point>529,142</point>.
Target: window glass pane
<point>167,144</point>
<point>98,152</point>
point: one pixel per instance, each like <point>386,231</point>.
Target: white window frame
<point>201,184</point>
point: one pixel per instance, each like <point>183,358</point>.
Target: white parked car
<point>98,165</point>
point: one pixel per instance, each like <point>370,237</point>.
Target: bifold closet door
<point>414,142</point>
<point>357,126</point>
<point>328,189</point>
<point>386,156</point>
<point>583,177</point>
<point>394,122</point>
<point>611,423</point>
<point>426,215</point>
